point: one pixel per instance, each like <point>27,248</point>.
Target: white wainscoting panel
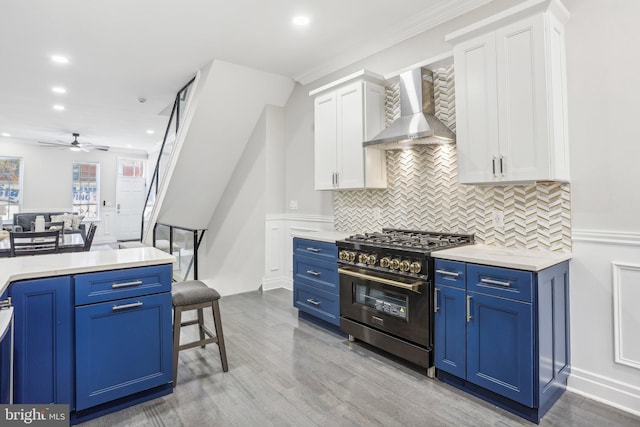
<point>605,294</point>
<point>279,245</point>
<point>626,298</point>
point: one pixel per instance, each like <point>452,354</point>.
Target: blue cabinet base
<point>531,414</point>
<point>322,323</point>
<point>122,403</point>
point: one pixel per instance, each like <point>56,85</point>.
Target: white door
<point>130,196</point>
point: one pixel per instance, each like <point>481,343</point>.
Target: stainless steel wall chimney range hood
<point>417,123</point>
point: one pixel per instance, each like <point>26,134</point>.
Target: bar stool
<point>195,295</point>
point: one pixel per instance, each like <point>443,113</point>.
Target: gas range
<point>397,251</point>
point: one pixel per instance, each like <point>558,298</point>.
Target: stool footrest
<point>198,343</point>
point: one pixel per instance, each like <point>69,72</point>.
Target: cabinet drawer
<point>122,347</point>
<point>320,304</point>
<point>109,285</point>
<point>319,274</point>
<point>312,248</point>
<point>502,282</point>
<point>450,273</point>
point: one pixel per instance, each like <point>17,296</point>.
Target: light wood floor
<point>287,372</point>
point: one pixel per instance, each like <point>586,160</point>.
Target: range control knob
<point>363,258</point>
<point>371,260</point>
<point>404,265</point>
<point>395,264</point>
<point>351,256</point>
<point>343,255</point>
<point>385,262</point>
<point>415,267</point>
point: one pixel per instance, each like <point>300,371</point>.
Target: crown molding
<point>419,23</point>
<point>618,238</point>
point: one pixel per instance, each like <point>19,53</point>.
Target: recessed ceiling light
<point>58,89</point>
<point>60,59</point>
<point>150,131</point>
<point>6,134</point>
<point>58,107</point>
<point>301,20</point>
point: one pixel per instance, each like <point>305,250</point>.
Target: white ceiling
<point>121,50</point>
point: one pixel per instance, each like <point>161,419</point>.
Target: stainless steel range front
<point>386,290</point>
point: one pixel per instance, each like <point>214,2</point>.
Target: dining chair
<point>48,225</point>
<point>89,238</point>
<point>33,243</point>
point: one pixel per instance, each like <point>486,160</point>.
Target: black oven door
<point>396,305</point>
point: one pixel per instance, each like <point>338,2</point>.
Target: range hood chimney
<point>417,123</point>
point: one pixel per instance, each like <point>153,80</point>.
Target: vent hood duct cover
<point>417,123</point>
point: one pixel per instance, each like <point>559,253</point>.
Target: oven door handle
<point>415,287</point>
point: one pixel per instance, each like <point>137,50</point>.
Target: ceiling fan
<point>75,145</point>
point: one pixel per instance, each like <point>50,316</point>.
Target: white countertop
<point>32,267</point>
<point>322,236</point>
<point>499,256</point>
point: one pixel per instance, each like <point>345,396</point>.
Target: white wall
<point>47,179</point>
<point>602,86</point>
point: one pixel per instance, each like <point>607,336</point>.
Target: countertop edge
<point>328,236</point>
<point>490,257</point>
<point>149,257</point>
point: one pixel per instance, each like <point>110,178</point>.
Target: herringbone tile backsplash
<point>423,194</point>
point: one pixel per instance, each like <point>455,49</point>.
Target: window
<point>86,188</point>
<point>10,187</point>
<point>131,168</point>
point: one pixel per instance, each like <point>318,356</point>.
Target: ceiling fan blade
<point>53,144</point>
<point>96,147</point>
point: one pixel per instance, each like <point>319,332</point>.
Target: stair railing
<point>165,151</point>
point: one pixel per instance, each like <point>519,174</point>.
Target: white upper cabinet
<point>347,113</point>
<point>511,96</point>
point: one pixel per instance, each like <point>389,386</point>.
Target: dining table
<point>69,242</point>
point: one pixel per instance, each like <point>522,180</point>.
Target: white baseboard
<point>277,283</point>
<point>614,393</point>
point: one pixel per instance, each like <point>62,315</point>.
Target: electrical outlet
<point>498,220</point>
<point>377,213</point>
<point>293,205</point>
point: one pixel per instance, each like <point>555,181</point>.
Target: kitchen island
<point>92,329</point>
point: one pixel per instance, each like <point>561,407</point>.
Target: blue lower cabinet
<point>504,335</point>
<point>43,356</point>
<point>500,346</point>
<point>122,347</point>
<point>318,303</point>
<point>450,330</point>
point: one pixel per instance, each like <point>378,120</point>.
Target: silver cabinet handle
<point>314,302</point>
<point>495,282</point>
<point>337,179</point>
<point>501,165</point>
<point>435,300</point>
<point>313,273</point>
<point>468,308</point>
<point>124,285</point>
<point>448,273</point>
<point>313,249</point>
<point>122,307</point>
<point>493,164</point>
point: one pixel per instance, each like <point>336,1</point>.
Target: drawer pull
<point>314,302</point>
<point>313,249</point>
<point>125,306</point>
<point>313,273</point>
<point>124,285</point>
<point>448,273</point>
<point>495,282</point>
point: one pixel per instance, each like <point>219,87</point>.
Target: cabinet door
<point>476,109</point>
<point>122,347</point>
<point>350,136</point>
<point>522,100</point>
<point>450,330</point>
<point>43,356</point>
<point>500,346</point>
<point>375,167</point>
<point>325,137</point>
